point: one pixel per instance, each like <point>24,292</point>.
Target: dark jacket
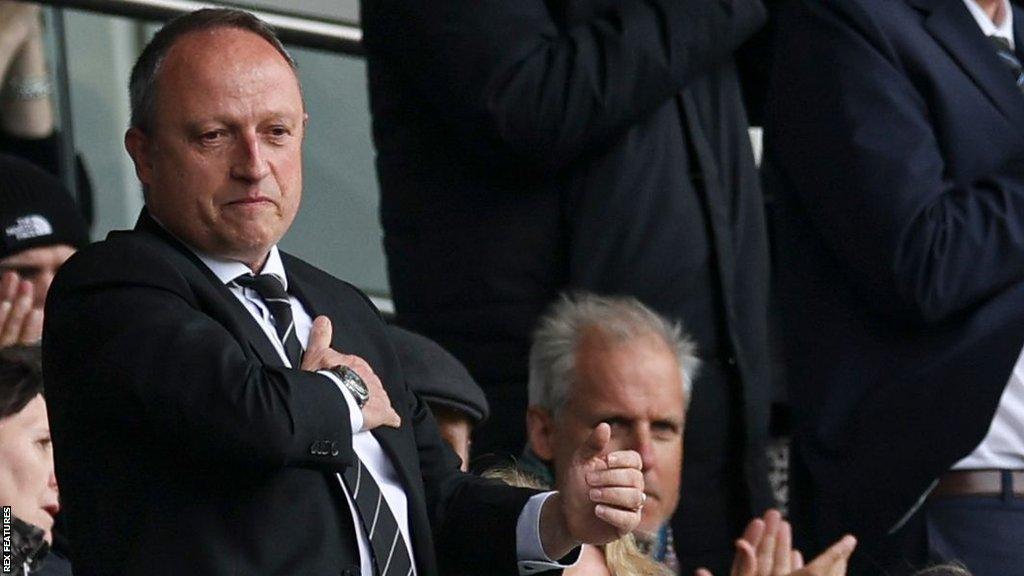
<point>184,446</point>
<point>29,553</point>
<point>526,148</point>
<point>895,142</point>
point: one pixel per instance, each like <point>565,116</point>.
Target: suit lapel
<point>949,22</point>
<point>232,314</point>
<point>396,443</point>
<point>1018,29</point>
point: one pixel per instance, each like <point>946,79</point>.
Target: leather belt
<point>977,483</point>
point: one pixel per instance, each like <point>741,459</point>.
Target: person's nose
<point>643,443</point>
<point>51,479</point>
<point>250,163</point>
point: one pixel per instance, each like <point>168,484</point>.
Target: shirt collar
<point>227,270</point>
<point>1004,30</point>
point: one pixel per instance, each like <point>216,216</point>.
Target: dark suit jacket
<point>183,446</point>
<point>526,148</point>
<point>895,139</point>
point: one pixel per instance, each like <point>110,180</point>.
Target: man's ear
<point>540,430</point>
<point>137,143</point>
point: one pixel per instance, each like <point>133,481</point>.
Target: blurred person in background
<point>605,359</point>
<point>601,359</point>
<point>895,148</point>
<point>25,87</point>
<point>27,123</point>
<point>27,481</point>
<point>530,147</point>
<point>40,228</point>
<point>455,400</point>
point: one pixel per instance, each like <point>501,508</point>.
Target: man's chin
<point>652,520</point>
<point>247,248</point>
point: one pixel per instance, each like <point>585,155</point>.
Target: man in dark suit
<point>895,142</point>
<point>529,147</point>
<point>205,418</point>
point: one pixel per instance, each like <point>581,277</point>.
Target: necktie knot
<point>271,289</point>
<point>268,286</point>
<point>1000,43</point>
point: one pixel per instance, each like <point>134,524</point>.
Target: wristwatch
<point>352,382</point>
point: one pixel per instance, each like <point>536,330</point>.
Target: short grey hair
<point>557,339</point>
<point>142,88</point>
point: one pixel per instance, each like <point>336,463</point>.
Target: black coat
<point>183,446</point>
<point>895,142</point>
<point>527,148</point>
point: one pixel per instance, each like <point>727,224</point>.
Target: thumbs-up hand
<point>601,497</point>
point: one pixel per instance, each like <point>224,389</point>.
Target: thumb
<point>836,555</point>
<point>320,334</point>
<point>702,572</point>
<point>745,561</point>
<point>596,443</point>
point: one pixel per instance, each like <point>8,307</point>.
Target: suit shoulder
<point>858,13</point>
<point>124,257</point>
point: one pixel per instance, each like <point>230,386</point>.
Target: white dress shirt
<point>1003,445</point>
<point>529,550</point>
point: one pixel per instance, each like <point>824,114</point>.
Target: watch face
<point>351,379</point>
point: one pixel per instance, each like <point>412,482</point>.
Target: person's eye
<point>665,430</point>
<point>616,423</point>
<point>44,443</point>
<point>212,136</point>
<point>278,133</point>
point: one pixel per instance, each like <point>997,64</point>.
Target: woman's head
<point>27,481</point>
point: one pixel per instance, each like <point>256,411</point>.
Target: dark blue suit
<point>895,144</point>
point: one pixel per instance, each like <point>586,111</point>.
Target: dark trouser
<point>715,501</point>
<point>984,533</point>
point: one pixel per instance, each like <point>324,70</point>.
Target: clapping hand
<point>20,323</point>
<point>766,549</point>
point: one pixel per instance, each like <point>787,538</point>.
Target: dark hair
<point>21,378</point>
<point>142,85</point>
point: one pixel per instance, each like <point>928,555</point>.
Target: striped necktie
<point>271,290</point>
<point>1009,57</point>
<point>390,556</point>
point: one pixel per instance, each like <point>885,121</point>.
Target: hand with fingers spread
<point>831,562</point>
<point>20,321</point>
<point>601,497</point>
<point>320,356</point>
<point>766,549</point>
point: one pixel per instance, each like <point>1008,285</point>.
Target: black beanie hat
<point>35,209</point>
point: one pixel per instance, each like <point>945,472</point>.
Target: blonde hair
<point>623,556</point>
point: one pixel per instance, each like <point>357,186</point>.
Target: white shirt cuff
<point>529,549</point>
<point>354,413</point>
